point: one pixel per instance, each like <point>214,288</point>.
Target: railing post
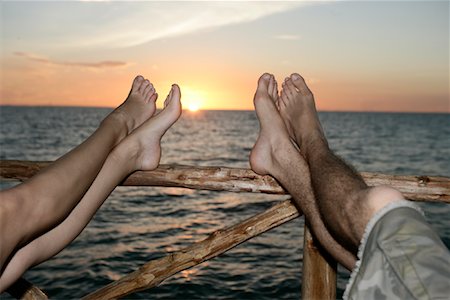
<point>319,273</point>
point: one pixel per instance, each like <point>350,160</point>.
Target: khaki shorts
<point>400,257</point>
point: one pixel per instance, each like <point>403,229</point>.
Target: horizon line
<point>228,109</point>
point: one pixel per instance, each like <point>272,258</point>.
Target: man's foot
<point>139,105</point>
<point>273,135</point>
<point>299,113</point>
<point>142,146</point>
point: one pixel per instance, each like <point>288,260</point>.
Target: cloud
<point>111,24</point>
<point>95,65</point>
<point>287,37</point>
<point>192,17</point>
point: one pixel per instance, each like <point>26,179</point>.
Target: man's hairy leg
<point>345,202</point>
<point>275,154</point>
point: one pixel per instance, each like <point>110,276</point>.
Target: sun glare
<point>192,99</point>
<point>193,107</point>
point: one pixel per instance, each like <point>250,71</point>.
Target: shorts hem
<point>370,225</point>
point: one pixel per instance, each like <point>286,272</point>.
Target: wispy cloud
<point>191,17</point>
<point>287,37</point>
<point>109,24</point>
<point>95,65</point>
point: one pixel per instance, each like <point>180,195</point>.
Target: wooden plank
<point>23,289</point>
<point>319,271</point>
<point>420,188</point>
<point>417,188</point>
<point>154,272</point>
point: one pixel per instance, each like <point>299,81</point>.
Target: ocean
<point>138,224</point>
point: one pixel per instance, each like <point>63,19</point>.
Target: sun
<point>193,107</point>
<point>192,98</point>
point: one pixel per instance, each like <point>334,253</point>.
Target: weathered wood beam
<point>418,188</point>
<point>421,188</point>
<point>319,271</point>
<point>23,289</point>
<point>154,272</point>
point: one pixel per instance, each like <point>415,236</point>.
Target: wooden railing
<point>319,271</point>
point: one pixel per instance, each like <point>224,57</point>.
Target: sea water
<point>138,224</point>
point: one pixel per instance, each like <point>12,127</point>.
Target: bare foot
<point>299,113</point>
<point>139,105</point>
<point>273,135</point>
<point>142,146</point>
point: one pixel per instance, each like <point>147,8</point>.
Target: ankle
<point>282,152</point>
<point>126,154</point>
<point>117,122</point>
<point>314,147</point>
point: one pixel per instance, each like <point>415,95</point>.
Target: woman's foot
<point>138,107</point>
<point>142,146</point>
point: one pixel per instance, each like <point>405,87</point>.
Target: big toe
<point>263,82</point>
<point>300,83</point>
<point>175,93</point>
<point>137,82</point>
<point>263,86</point>
<point>173,102</point>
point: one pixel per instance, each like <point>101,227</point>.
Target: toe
<point>153,97</point>
<point>137,83</point>
<point>284,97</point>
<point>263,82</point>
<point>286,91</point>
<point>144,85</point>
<point>300,83</point>
<point>262,91</point>
<point>152,90</point>
<point>271,86</point>
<point>146,90</point>
<point>290,86</point>
<point>175,92</point>
<point>275,91</point>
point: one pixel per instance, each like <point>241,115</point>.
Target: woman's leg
<point>139,151</point>
<point>39,204</point>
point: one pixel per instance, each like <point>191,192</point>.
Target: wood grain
<point>416,188</point>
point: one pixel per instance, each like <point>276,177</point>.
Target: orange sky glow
<point>351,60</point>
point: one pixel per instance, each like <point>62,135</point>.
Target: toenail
<point>295,77</point>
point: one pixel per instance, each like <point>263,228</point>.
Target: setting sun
<point>193,107</point>
<point>193,98</point>
<point>67,65</point>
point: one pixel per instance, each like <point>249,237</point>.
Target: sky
<point>354,55</point>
